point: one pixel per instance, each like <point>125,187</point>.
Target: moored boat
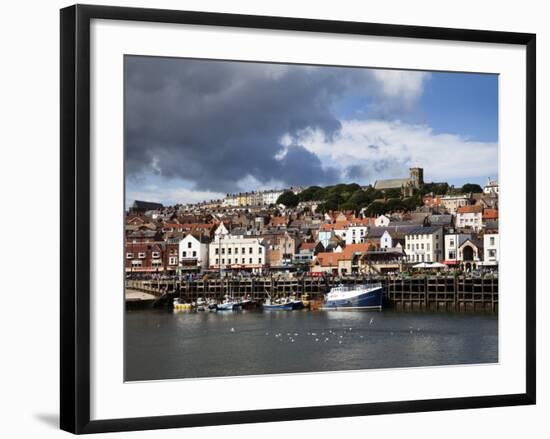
<point>229,304</point>
<point>179,305</point>
<point>201,304</point>
<point>368,296</point>
<point>278,304</point>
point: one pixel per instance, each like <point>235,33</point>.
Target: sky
<point>198,129</point>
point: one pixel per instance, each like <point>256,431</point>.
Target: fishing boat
<point>296,303</point>
<point>229,304</point>
<point>211,304</point>
<point>367,296</point>
<point>248,304</point>
<point>278,304</point>
<point>201,304</point>
<point>179,305</point>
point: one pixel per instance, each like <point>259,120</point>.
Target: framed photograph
<point>268,219</point>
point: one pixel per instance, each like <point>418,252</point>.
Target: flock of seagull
<point>324,336</point>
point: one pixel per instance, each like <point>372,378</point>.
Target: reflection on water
<point>166,345</point>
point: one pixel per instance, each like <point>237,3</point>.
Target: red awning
<point>450,262</point>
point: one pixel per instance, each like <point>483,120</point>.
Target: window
<point>437,245</point>
<point>242,250</point>
<point>259,250</point>
<point>173,260</point>
<point>183,254</point>
<point>492,240</point>
<point>452,243</point>
<point>156,255</point>
<point>223,260</point>
<point>217,251</point>
<point>452,255</point>
<point>422,246</point>
<point>229,261</point>
<point>188,245</point>
<point>223,251</point>
<point>242,260</point>
<point>129,255</point>
<point>250,261</point>
<point>492,253</point>
<point>259,260</point>
<point>217,261</point>
<point>229,251</point>
<point>194,254</point>
<point>136,263</point>
<point>141,255</point>
<point>236,250</point>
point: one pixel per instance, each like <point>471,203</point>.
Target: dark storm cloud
<point>215,123</point>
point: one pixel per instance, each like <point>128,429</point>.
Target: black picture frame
<point>75,217</point>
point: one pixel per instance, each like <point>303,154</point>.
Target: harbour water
<point>160,344</point>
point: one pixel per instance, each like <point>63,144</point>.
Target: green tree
<point>392,193</point>
<point>312,193</point>
<point>471,187</point>
<point>288,198</point>
<point>376,208</point>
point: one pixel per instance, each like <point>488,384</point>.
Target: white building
<point>490,249</point>
<point>452,202</point>
<point>470,254</point>
<point>382,221</point>
<point>356,234</point>
<point>424,244</point>
<point>193,253</point>
<point>453,241</point>
<point>491,187</point>
<point>470,217</point>
<point>386,240</point>
<point>270,197</point>
<point>236,252</point>
<point>231,201</point>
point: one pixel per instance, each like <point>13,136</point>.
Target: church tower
<point>417,176</point>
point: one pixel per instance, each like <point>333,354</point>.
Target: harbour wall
<point>451,293</point>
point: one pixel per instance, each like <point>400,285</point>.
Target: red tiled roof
<point>350,249</point>
<point>490,214</point>
<point>469,209</point>
<point>328,259</point>
<point>279,220</point>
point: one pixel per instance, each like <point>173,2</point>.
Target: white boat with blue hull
<point>368,296</point>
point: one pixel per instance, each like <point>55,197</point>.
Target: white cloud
<point>385,149</point>
<point>407,86</point>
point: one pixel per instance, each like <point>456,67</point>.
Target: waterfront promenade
<point>453,293</point>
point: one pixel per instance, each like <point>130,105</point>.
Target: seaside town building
<point>452,202</point>
<point>236,252</point>
<point>193,253</point>
<point>405,185</point>
<point>491,249</point>
<point>424,244</point>
<point>470,217</point>
<point>249,233</point>
<point>491,187</point>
